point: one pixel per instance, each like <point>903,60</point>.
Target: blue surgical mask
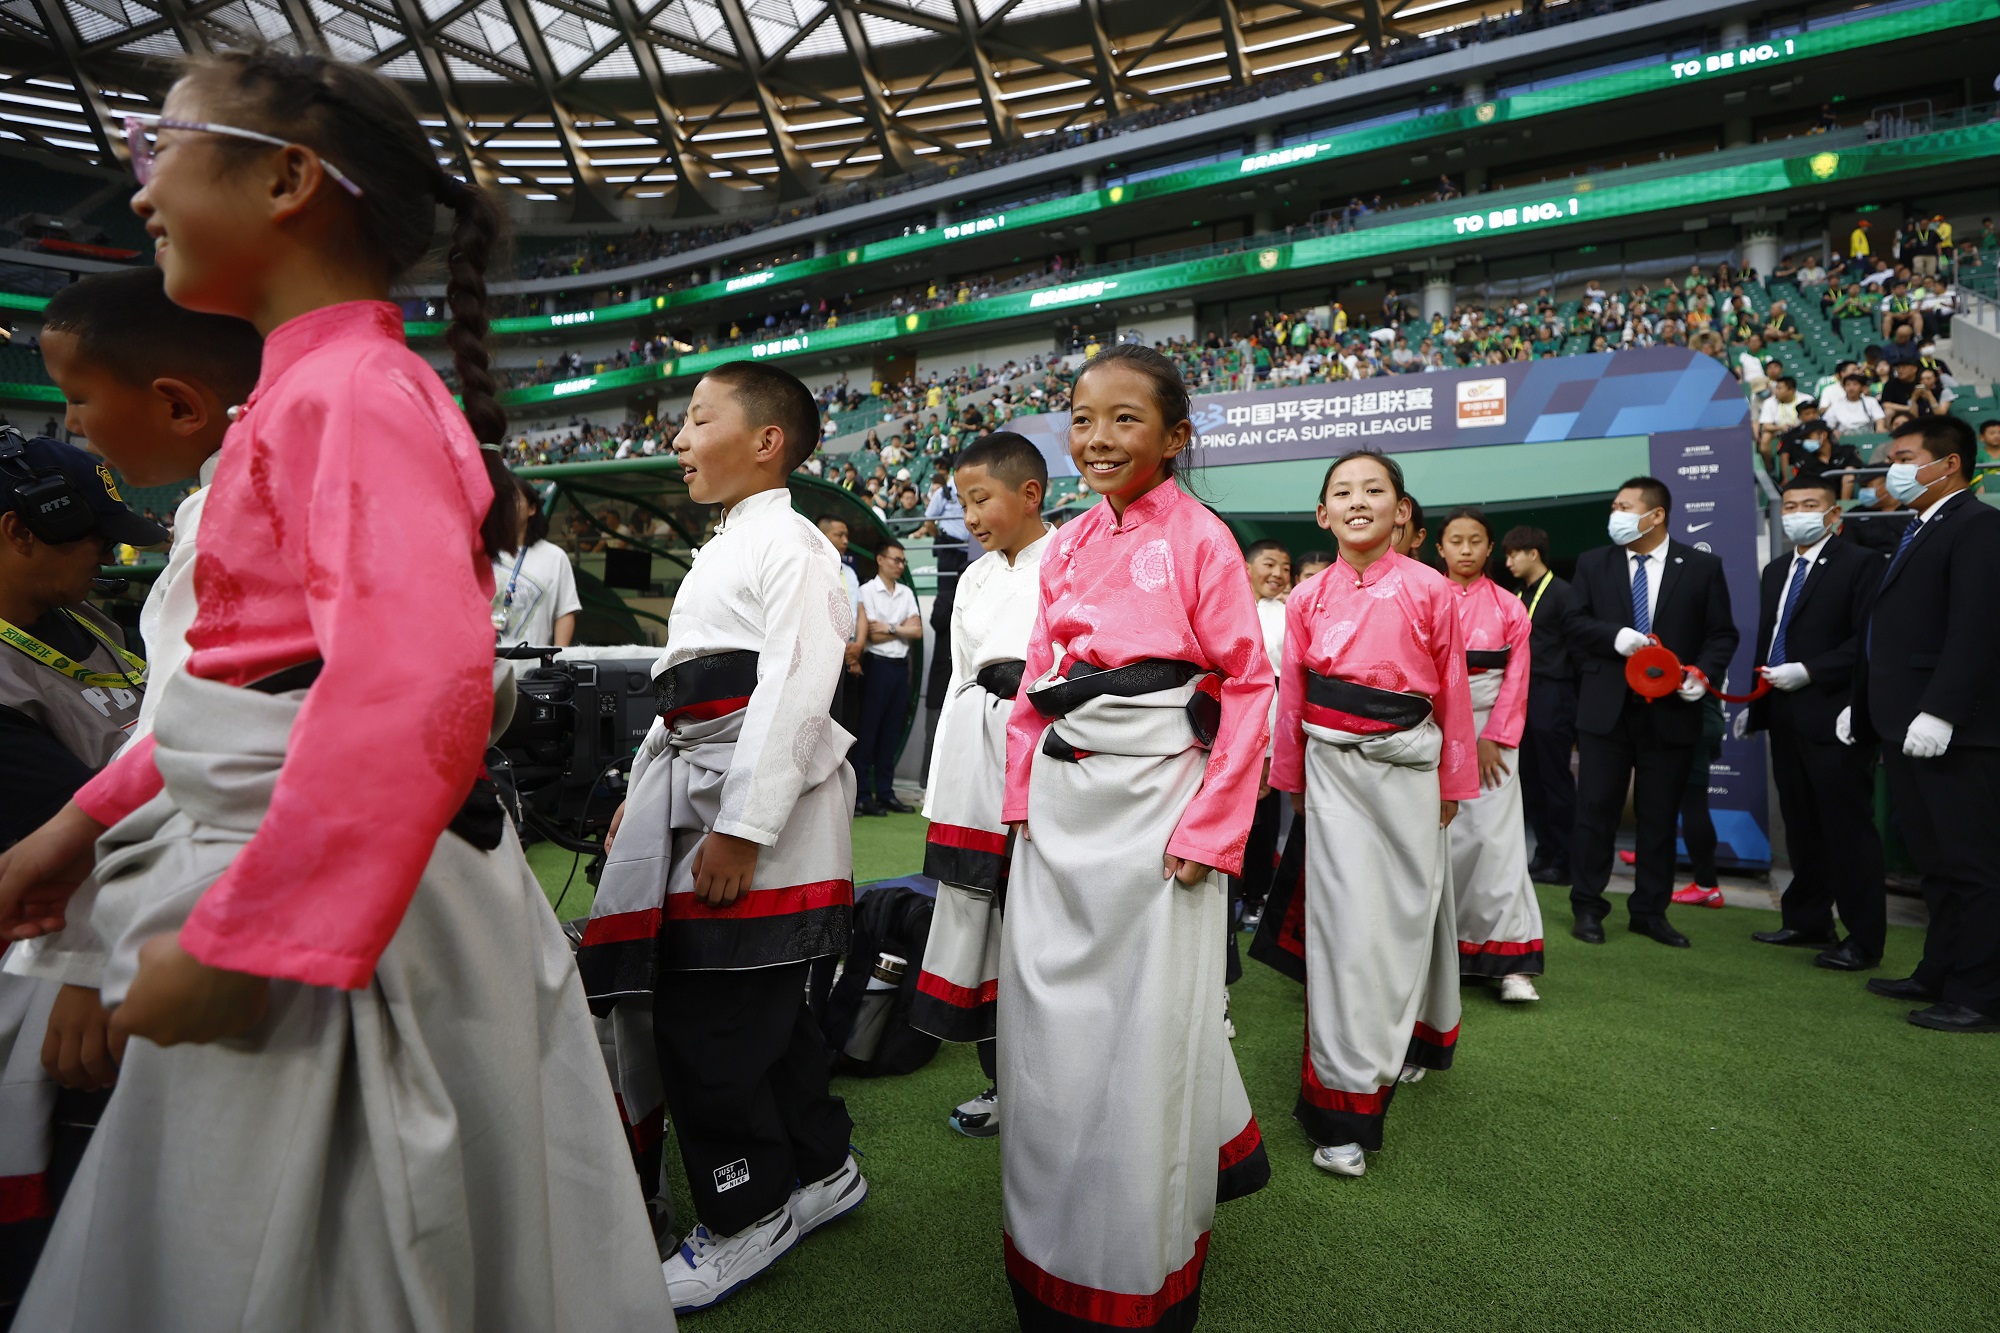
<point>1865,496</point>
<point>1903,482</point>
<point>1804,529</point>
<point>1623,528</point>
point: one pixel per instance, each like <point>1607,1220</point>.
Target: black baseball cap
<point>91,479</point>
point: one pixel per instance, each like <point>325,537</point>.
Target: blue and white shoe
<point>813,1206</point>
<point>708,1269</point>
<point>980,1117</point>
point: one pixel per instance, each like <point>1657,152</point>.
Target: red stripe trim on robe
<point>708,711</point>
<point>1504,948</point>
<point>763,902</point>
<point>1241,1146</point>
<point>971,839</point>
<point>622,926</point>
<point>1332,1099</point>
<point>24,1198</point>
<point>958,997</point>
<point>1425,1032</point>
<point>1113,1308</point>
<point>1335,720</point>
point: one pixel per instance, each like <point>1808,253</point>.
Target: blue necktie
<point>1642,614</point>
<point>1800,568</point>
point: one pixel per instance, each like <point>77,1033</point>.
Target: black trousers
<point>1697,825</point>
<point>885,699</point>
<point>1658,773</point>
<point>745,1071</point>
<point>1548,787</point>
<point>1826,793</point>
<point>1943,804</point>
<point>1260,856</point>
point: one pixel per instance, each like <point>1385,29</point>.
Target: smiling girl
<point>1375,740</point>
<point>1134,755</point>
<point>1499,920</point>
<point>361,1089</point>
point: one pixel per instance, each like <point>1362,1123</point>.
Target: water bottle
<point>873,1019</point>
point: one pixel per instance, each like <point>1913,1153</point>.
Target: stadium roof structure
<point>600,107</point>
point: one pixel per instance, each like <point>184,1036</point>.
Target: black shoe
<point>1902,988</point>
<point>1943,1017</point>
<point>1553,875</point>
<point>1797,939</point>
<point>1658,929</point>
<point>1589,929</point>
<point>1847,956</point>
<point>863,808</point>
<point>895,804</point>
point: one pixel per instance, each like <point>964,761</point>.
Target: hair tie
<point>451,191</point>
<point>488,447</point>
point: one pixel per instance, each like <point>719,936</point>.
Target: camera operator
<point>69,695</point>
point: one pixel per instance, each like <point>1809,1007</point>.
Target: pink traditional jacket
<point>343,526</point>
<point>1165,581</point>
<point>1489,620</point>
<point>1394,628</point>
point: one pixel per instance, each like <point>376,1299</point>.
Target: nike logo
<point>1697,527</point>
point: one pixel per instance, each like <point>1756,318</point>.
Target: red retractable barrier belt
<point>1654,673</point>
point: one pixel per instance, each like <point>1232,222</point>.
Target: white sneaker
<point>1228,1023</point>
<point>1518,990</point>
<point>708,1269</point>
<point>813,1206</point>
<point>1412,1074</point>
<point>1346,1160</point>
<point>980,1117</point>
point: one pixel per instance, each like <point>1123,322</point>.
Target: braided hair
<point>362,123</point>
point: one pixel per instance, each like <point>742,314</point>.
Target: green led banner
<point>587,384</point>
<point>30,393</point>
<point>1583,201</point>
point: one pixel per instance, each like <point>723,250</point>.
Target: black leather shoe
<point>1589,929</point>
<point>896,804</point>
<point>1797,939</point>
<point>1847,956</point>
<point>868,808</point>
<point>1553,875</point>
<point>1943,1017</point>
<point>1661,931</point>
<point>1902,988</point>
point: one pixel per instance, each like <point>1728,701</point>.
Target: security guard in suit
<point>1928,694</point>
<point>1813,600</point>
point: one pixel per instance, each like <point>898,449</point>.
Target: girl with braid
<point>359,1086</point>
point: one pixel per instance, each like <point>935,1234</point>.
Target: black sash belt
<point>1488,659</point>
<point>1001,679</point>
<point>480,820</point>
<point>1398,711</point>
<point>706,687</point>
<point>1083,682</point>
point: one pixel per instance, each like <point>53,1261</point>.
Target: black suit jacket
<point>1548,643</point>
<point>1691,617</point>
<point>1824,635</point>
<point>1932,636</point>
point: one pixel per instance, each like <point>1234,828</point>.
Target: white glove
<point>1739,726</point>
<point>1927,737</point>
<point>1788,676</point>
<point>1843,726</point>
<point>1630,641</point>
<point>1692,688</point>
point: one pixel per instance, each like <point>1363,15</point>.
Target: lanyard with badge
<point>1540,588</point>
<point>506,607</point>
<point>15,637</point>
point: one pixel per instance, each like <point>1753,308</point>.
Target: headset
<point>49,503</point>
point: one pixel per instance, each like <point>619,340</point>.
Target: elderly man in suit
<point>1813,600</point>
<point>1928,693</point>
<point>1643,586</point>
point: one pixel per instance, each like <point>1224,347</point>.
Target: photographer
<point>69,694</point>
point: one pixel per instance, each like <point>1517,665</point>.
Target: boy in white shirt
<point>1002,479</point>
<point>729,867</point>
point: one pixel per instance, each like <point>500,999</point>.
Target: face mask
<point>1903,483</point>
<point>1865,496</point>
<point>1623,528</point>
<point>1804,529</point>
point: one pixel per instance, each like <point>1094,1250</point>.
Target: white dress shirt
<point>767,582</point>
<point>1656,568</point>
<point>1811,556</point>
<point>890,607</point>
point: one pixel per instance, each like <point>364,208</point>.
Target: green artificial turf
<point>1718,1138</point>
